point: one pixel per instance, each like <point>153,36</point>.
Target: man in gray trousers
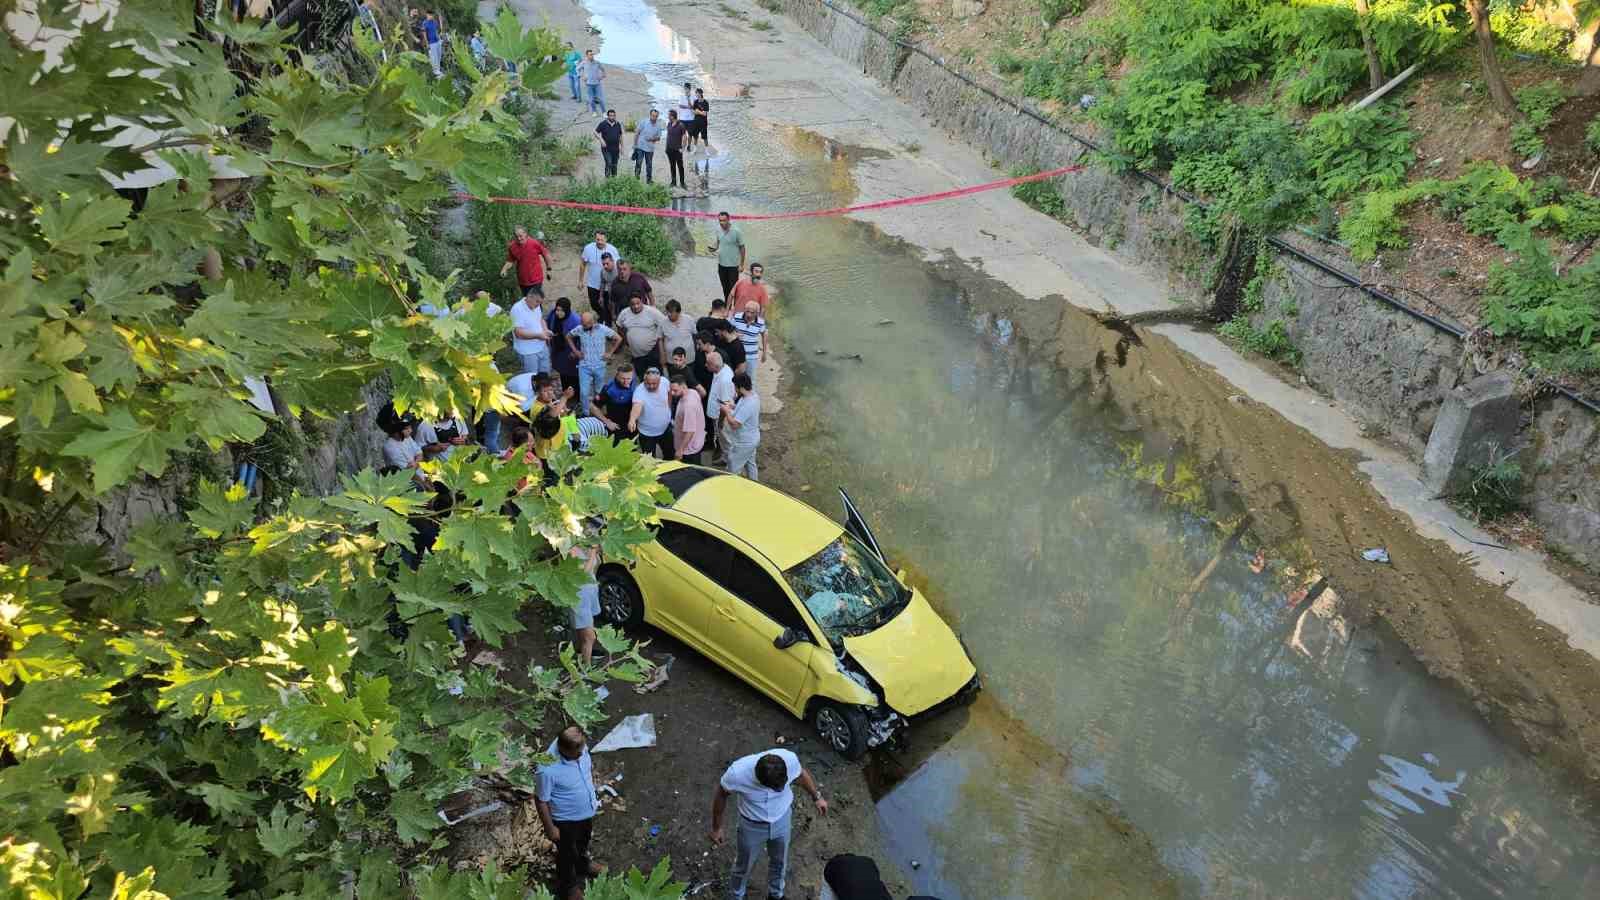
<point>761,782</point>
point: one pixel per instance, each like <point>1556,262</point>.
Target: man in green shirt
<point>572,59</point>
<point>730,252</point>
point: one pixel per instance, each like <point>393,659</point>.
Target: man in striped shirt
<point>752,329</point>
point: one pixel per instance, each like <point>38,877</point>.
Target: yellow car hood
<point>914,657</point>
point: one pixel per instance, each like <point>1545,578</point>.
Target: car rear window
<point>679,481</point>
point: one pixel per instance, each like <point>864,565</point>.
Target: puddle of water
<point>1259,745</point>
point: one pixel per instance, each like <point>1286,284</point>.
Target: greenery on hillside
<point>1244,103</point>
<point>253,700</point>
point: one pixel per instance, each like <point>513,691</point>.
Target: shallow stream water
<point>1259,745</point>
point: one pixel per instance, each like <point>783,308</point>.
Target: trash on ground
<point>1376,554</point>
<point>489,658</point>
<point>632,732</point>
<point>608,789</point>
<point>602,692</point>
<point>464,805</point>
<point>658,676</point>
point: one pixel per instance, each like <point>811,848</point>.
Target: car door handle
<point>727,613</point>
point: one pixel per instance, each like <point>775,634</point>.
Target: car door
<point>747,617</point>
<point>684,574</point>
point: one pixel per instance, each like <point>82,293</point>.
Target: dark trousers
<point>692,459</point>
<point>640,363</point>
<point>601,305</point>
<point>729,276</point>
<point>572,855</point>
<point>611,156</point>
<point>648,162</point>
<point>662,442</point>
<point>675,167</point>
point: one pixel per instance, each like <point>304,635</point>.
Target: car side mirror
<point>789,638</point>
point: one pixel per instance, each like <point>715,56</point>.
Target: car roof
<point>786,530</point>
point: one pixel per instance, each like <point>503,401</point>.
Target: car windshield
<point>848,590</point>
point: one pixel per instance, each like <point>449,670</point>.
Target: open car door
<point>857,525</point>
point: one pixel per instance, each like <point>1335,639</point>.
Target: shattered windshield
<point>848,590</point>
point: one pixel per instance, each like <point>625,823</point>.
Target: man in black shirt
<point>676,132</point>
<point>713,322</point>
<point>610,133</point>
<point>726,340</point>
<point>678,364</point>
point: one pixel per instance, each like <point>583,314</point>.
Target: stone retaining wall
<point>1389,370</point>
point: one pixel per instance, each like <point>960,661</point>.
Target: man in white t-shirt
<point>761,782</point>
<point>718,392</point>
<point>530,336</point>
<point>589,272</point>
<point>652,414</point>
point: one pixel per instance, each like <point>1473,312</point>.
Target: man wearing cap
<point>566,801</point>
<point>761,782</point>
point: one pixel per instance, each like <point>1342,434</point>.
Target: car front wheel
<point>844,728</point>
<point>620,601</point>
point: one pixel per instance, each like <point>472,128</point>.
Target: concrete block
<point>1477,419</point>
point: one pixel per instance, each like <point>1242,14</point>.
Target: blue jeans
<point>597,98</point>
<point>572,82</point>
<point>752,837</point>
<point>491,431</point>
<point>591,375</point>
<point>536,360</point>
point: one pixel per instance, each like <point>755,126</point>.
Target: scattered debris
<point>854,356</point>
<point>821,351</point>
<point>658,677</point>
<point>488,658</point>
<point>1238,398</point>
<point>1376,554</point>
<point>631,732</point>
<point>464,805</point>
<point>915,865</point>
<point>885,321</point>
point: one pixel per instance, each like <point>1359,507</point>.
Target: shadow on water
<point>1160,583</point>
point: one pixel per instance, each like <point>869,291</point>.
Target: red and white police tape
<point>803,214</point>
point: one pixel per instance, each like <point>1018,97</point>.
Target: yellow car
<point>806,611</point>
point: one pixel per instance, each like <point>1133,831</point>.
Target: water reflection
<point>1177,699</point>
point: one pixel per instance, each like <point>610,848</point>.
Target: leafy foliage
<point>1041,195</point>
<point>1519,27</point>
<point>1538,104</point>
<point>1591,136</point>
<point>239,702</point>
<point>1272,341</point>
<point>643,238</point>
<point>1556,316</point>
<point>1351,150</point>
<point>1493,489</point>
<point>1053,11</point>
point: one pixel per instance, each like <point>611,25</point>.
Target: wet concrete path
<point>1180,698</point>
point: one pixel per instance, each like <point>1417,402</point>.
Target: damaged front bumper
<point>884,725</point>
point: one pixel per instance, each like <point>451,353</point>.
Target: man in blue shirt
<point>567,803</point>
<point>430,31</point>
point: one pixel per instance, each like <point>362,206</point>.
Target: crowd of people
<point>629,367</point>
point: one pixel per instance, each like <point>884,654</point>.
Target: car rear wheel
<point>844,728</point>
<point>620,601</point>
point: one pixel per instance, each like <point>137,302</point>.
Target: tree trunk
<point>1374,65</point>
<point>1589,82</point>
<point>1499,91</point>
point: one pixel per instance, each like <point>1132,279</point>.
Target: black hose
<point>1277,244</point>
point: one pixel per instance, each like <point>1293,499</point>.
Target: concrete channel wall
<point>1390,370</point>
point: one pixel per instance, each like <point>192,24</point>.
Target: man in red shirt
<point>750,288</point>
<point>531,259</point>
